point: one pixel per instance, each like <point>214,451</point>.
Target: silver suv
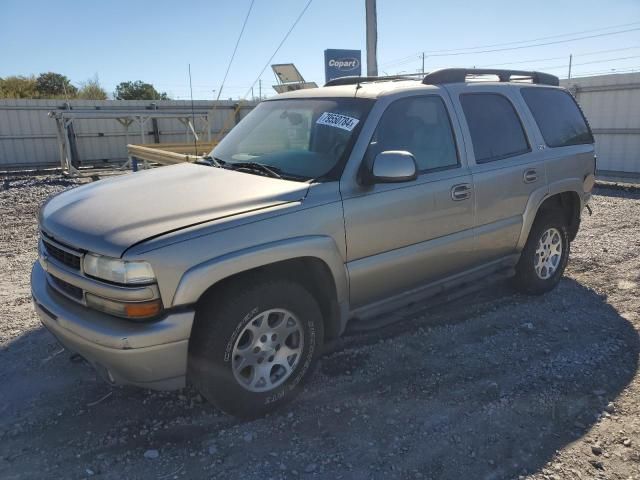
<point>321,206</point>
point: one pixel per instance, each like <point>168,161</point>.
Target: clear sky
<point>154,41</point>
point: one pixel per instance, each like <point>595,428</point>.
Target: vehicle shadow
<point>493,385</point>
<point>489,386</point>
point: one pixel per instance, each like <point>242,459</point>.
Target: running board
<point>398,310</point>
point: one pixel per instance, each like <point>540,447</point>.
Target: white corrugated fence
<point>28,135</point>
<point>612,106</point>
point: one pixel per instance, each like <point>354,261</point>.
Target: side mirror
<point>392,166</point>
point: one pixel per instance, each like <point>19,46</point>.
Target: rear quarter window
<point>558,117</point>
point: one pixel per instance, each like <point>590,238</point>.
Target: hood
<point>111,215</point>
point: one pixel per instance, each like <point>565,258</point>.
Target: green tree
<point>50,85</point>
<point>92,90</point>
<point>138,90</point>
<point>18,86</point>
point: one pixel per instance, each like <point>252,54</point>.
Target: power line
<point>517,42</point>
<point>516,48</point>
<point>611,70</point>
<point>535,39</point>
<point>235,49</point>
<point>590,63</point>
<point>520,62</point>
<point>279,46</point>
<point>284,39</point>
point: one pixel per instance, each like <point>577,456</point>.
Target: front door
<point>400,236</point>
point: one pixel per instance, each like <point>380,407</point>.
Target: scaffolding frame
<point>126,118</point>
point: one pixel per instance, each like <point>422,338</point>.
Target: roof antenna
<point>358,86</point>
<point>193,117</point>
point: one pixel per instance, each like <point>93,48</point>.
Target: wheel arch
<point>564,198</point>
<point>312,261</point>
<point>569,204</point>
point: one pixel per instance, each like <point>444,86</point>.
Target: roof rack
<point>459,75</point>
<point>351,80</point>
<point>454,75</point>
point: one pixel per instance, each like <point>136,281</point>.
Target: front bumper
<point>150,354</point>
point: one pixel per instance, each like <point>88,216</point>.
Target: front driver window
<point>420,126</point>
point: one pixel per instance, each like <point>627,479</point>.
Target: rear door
<point>504,161</point>
<point>402,235</point>
<point>565,134</point>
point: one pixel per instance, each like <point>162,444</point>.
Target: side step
<point>430,299</point>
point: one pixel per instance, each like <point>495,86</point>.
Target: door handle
<point>530,175</point>
<point>462,191</point>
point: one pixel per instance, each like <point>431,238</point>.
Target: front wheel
<point>254,345</point>
<point>545,254</point>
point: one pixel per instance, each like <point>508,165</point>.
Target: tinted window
<point>496,131</point>
<point>420,126</point>
<point>558,117</point>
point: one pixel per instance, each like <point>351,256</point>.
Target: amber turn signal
<point>142,310</point>
<point>134,310</point>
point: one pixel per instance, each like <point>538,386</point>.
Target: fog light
<point>137,310</point>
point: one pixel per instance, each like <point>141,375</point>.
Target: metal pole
<point>142,120</point>
<point>260,89</point>
<point>372,38</point>
<point>570,61</point>
<point>61,144</point>
<point>69,157</point>
<point>193,116</point>
<point>423,63</point>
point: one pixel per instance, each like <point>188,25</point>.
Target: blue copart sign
<point>342,63</point>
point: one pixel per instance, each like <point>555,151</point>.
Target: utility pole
<point>260,89</point>
<point>570,61</point>
<point>423,63</point>
<point>372,37</point>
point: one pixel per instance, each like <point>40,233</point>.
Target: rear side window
<point>560,120</point>
<point>496,130</point>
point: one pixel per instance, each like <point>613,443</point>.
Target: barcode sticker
<point>339,121</point>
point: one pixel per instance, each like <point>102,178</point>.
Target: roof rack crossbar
<point>459,75</point>
<point>352,80</point>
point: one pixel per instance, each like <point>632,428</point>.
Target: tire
<point>531,275</point>
<point>260,323</point>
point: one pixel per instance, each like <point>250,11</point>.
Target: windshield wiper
<point>210,161</point>
<point>260,167</point>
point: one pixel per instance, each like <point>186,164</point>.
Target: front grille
<point>64,257</point>
<point>71,290</point>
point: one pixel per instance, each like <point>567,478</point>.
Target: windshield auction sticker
<point>338,121</point>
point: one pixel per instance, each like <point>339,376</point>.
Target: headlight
<point>118,271</point>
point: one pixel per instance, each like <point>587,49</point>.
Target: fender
<point>537,198</point>
<point>199,278</point>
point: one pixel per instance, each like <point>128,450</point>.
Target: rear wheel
<point>254,345</point>
<point>545,254</point>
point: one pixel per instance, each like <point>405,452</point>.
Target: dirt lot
<point>492,386</point>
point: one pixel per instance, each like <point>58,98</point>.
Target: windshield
<point>301,138</point>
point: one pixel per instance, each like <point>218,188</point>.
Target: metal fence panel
<point>28,136</point>
<point>612,105</point>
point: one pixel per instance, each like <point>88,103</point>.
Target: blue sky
<point>155,40</point>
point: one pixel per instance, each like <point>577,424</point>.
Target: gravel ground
<point>495,385</point>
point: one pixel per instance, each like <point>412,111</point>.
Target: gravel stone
<point>152,454</point>
<point>421,394</point>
